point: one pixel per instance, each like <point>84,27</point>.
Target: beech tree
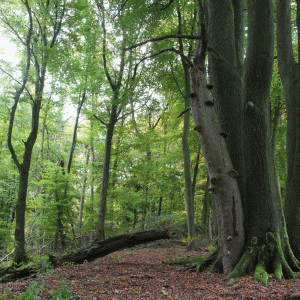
<point>290,72</point>
<point>34,31</point>
<point>235,135</point>
<point>121,79</point>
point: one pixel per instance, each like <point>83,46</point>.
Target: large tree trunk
<point>264,224</point>
<point>226,37</point>
<point>289,73</point>
<point>266,239</point>
<point>220,169</point>
<point>89,254</point>
<point>205,208</point>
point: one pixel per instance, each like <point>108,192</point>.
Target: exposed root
<point>202,264</point>
<point>263,259</point>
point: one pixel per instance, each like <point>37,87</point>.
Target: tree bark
<point>267,242</point>
<point>189,196</point>
<point>220,169</point>
<point>226,22</point>
<point>37,52</point>
<point>83,186</point>
<point>289,72</point>
<point>89,254</point>
<point>74,139</point>
<point>100,233</point>
<point>205,209</point>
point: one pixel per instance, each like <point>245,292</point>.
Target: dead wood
<point>89,254</point>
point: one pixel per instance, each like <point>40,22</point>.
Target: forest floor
<point>140,274</point>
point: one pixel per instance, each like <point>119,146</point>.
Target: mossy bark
<point>267,248</point>
<point>264,259</point>
<point>289,71</point>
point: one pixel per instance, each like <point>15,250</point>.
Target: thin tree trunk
<point>195,174</point>
<point>205,210</point>
<point>189,196</point>
<point>159,206</point>
<point>93,179</point>
<point>83,186</point>
<point>100,233</point>
<point>74,139</point>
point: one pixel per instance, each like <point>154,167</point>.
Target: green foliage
<point>189,239</point>
<point>62,293</point>
<point>32,291</point>
<point>56,202</point>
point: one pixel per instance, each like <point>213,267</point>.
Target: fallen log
<point>100,249</point>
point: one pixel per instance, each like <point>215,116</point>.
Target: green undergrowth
<point>36,288</point>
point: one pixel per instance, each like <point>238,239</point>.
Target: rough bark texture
<point>225,21</point>
<point>263,204</point>
<point>220,169</point>
<point>289,73</point>
<point>89,254</point>
<point>266,239</point>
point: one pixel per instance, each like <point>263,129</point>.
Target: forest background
<point>131,158</point>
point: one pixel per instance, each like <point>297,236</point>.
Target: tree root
<point>264,259</point>
<point>199,266</point>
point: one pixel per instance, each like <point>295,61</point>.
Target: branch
<point>132,111</point>
<point>183,112</point>
<point>167,5</point>
<point>101,10</point>
<point>20,90</point>
<point>6,21</point>
<point>17,81</point>
<point>100,120</point>
<point>160,52</point>
<point>161,38</point>
<point>163,7</point>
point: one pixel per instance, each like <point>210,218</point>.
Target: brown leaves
<point>139,274</point>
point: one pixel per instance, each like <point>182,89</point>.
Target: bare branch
<point>163,7</point>
<point>161,38</point>
<point>167,5</point>
<point>183,112</point>
<point>123,5</point>
<point>125,115</point>
<point>100,7</point>
<point>160,52</point>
